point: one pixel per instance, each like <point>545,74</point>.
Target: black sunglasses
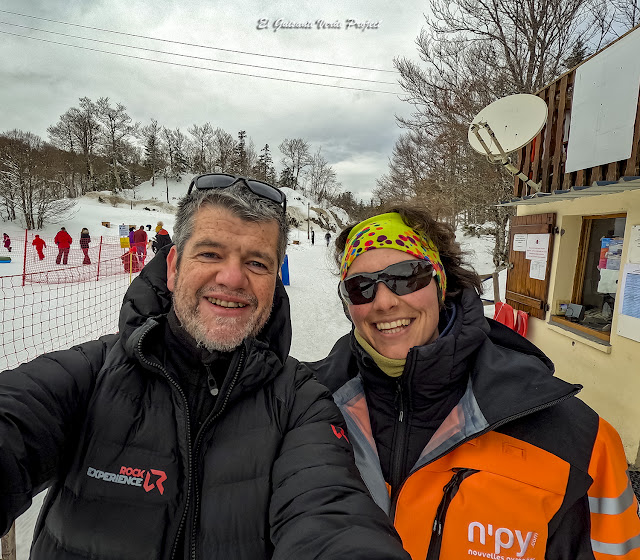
<point>225,180</point>
<point>401,278</point>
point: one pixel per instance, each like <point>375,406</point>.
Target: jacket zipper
<point>400,436</point>
<point>449,492</point>
<point>490,428</point>
<point>188,426</point>
<point>196,446</point>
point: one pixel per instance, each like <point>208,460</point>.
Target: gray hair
<point>238,200</point>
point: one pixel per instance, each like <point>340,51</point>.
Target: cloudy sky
<point>355,129</point>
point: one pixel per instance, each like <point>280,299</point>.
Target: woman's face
<point>394,324</point>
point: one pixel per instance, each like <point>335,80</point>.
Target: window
<point>597,271</point>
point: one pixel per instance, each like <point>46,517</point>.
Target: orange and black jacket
<point>477,451</point>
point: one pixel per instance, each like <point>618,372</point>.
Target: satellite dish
<point>507,125</point>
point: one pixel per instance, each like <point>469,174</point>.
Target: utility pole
<point>308,235</point>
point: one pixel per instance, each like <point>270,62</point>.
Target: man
<point>190,434</point>
<point>39,244</point>
<point>140,240</point>
<point>63,241</point>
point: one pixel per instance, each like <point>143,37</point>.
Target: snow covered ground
<point>317,316</point>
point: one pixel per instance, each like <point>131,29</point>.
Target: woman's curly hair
<point>460,275</point>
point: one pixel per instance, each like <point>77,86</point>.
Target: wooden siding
<point>543,159</point>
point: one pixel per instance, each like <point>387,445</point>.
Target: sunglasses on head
<point>401,278</point>
<point>225,180</point>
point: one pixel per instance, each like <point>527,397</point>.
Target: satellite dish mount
<point>505,126</point>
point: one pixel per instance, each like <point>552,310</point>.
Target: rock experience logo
<point>504,539</point>
<point>132,477</point>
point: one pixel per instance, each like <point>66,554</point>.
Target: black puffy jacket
<point>107,428</point>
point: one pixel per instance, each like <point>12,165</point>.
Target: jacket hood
<point>148,296</point>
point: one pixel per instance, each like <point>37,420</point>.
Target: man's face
<point>223,289</point>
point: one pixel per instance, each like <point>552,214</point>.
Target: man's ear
<point>172,268</point>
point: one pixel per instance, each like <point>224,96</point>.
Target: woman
<point>161,239</point>
<point>459,428</point>
<point>85,239</point>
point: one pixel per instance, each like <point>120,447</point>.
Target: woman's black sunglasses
<point>225,180</point>
<point>401,278</point>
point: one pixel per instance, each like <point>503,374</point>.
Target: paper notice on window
<point>608,283</point>
<point>520,242</point>
<point>537,246</point>
<point>538,269</point>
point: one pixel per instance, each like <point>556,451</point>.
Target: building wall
<point>610,374</point>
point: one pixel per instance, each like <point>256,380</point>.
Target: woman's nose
<point>385,298</point>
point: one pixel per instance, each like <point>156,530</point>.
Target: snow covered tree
<point>263,169</point>
<point>117,128</point>
<point>153,156</point>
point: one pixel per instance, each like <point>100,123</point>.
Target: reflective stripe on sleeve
<point>612,506</point>
<point>616,549</point>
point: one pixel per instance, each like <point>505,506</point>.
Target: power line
<point>196,45</point>
<point>197,67</point>
<point>195,57</point>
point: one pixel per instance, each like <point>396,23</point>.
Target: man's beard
<point>211,336</point>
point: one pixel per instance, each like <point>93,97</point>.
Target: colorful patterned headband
<point>388,231</point>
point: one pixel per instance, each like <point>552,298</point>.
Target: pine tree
<point>240,154</point>
<point>264,169</point>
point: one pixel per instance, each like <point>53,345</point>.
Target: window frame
<point>580,272</point>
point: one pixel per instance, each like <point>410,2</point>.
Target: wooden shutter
<point>523,292</point>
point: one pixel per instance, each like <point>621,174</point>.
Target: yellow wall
<point>610,374</point>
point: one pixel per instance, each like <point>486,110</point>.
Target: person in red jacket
<point>63,241</point>
<point>39,244</point>
<point>140,241</point>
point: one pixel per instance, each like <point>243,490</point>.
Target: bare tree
<point>201,142</point>
<point>296,157</point>
<point>225,148</point>
<point>322,182</point>
<point>117,128</point>
<point>28,179</point>
<point>473,52</point>
<point>78,131</point>
<point>626,13</point>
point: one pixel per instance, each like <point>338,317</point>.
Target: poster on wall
<point>520,242</point>
<point>538,269</point>
<point>629,318</point>
<point>634,245</point>
<point>537,246</point>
